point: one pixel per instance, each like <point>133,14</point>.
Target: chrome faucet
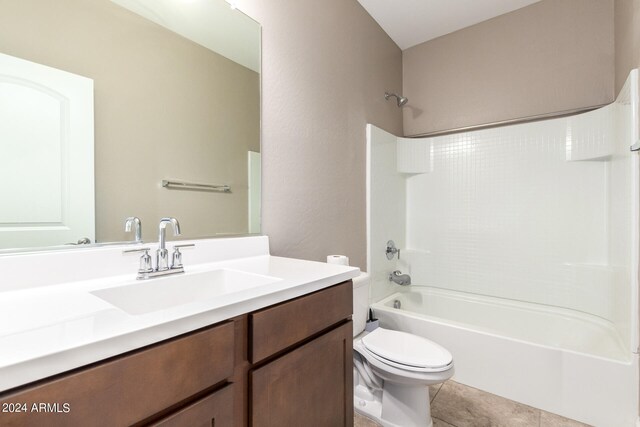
<point>162,268</point>
<point>137,224</point>
<point>162,254</point>
<point>396,276</point>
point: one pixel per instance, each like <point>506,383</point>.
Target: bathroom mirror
<point>176,97</point>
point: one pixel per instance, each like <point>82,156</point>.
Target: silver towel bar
<point>181,185</point>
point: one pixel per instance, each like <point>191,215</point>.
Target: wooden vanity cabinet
<point>286,365</point>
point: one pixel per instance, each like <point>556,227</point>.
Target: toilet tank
<point>360,302</point>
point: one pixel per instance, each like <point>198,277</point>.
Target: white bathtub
<point>559,360</point>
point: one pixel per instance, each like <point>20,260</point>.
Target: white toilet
<point>393,369</point>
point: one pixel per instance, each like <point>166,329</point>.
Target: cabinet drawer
<point>215,409</point>
<point>278,327</point>
<point>132,387</point>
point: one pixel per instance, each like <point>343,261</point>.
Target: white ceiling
<point>212,24</point>
<point>411,22</point>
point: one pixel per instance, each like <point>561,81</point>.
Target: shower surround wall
<point>527,213</point>
<point>386,201</point>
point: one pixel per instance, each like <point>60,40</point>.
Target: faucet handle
<point>130,251</point>
<point>176,261</point>
<point>145,259</point>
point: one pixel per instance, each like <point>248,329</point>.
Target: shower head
<point>401,99</point>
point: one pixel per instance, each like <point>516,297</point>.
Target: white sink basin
<point>166,292</point>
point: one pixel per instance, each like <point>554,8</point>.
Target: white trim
<point>368,195</point>
<point>635,250</point>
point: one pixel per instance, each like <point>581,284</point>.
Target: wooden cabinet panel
<point>240,378</point>
<point>309,386</point>
<point>283,325</point>
<point>213,410</point>
<point>133,387</point>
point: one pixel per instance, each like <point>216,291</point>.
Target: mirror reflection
<point>101,101</point>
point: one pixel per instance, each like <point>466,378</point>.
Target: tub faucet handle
<point>391,250</point>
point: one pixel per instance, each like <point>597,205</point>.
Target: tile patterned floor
<point>456,405</point>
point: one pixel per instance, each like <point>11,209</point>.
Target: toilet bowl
<point>393,369</point>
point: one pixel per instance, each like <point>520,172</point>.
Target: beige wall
<point>326,65</point>
<point>554,55</point>
<point>164,108</point>
<point>627,39</point>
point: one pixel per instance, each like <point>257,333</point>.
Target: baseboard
<point>638,422</point>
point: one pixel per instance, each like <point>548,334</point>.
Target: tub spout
<point>399,278</point>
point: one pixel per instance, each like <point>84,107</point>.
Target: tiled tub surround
<point>543,213</point>
<point>50,322</point>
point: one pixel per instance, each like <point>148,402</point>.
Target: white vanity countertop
<point>49,329</point>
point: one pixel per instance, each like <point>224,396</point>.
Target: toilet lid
<point>406,349</point>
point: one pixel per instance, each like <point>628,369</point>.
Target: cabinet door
<point>311,385</point>
<point>214,410</point>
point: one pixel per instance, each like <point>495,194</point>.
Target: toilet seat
<point>406,351</point>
